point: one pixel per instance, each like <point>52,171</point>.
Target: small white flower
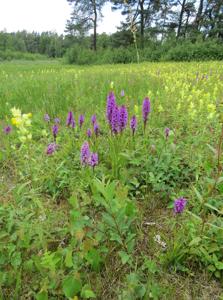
<point>42,218</point>
<point>157,239</point>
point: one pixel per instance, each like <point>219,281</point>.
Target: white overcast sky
<point>46,15</point>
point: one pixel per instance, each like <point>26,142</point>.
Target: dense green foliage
<point>169,51</point>
<point>16,55</point>
<point>174,30</point>
<point>47,44</point>
<point>69,231</point>
<point>167,30</point>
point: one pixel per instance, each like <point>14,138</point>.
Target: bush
<point>187,51</point>
<point>13,55</point>
<point>123,56</point>
<point>81,56</point>
<point>171,50</point>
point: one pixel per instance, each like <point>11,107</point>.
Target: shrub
<point>187,51</point>
<point>80,56</point>
<point>13,55</point>
<point>170,50</point>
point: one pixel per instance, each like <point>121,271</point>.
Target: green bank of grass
<point>59,237</point>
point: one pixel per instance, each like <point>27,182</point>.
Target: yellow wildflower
<point>136,109</point>
<point>21,121</point>
<point>160,108</point>
<point>44,132</point>
<point>16,121</point>
<point>16,112</point>
<point>22,138</point>
<point>211,107</point>
<point>26,116</point>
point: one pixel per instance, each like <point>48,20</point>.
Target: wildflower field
<point>111,181</point>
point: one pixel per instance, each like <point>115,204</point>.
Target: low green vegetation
<point>111,181</point>
<point>168,51</point>
<point>15,55</point>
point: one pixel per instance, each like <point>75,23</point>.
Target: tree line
<point>151,19</point>
<point>152,25</point>
<point>46,43</point>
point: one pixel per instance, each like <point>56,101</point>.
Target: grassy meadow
<point>88,210</point>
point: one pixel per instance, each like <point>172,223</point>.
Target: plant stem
<point>219,168</point>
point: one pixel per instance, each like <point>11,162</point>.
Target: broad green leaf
<point>140,291</point>
<point>150,266</point>
<point>87,293</point>
<point>215,226</point>
<point>73,202</point>
<point>212,149</point>
<point>100,187</point>
<point>219,265</point>
<point>213,208</point>
<point>115,237</point>
<point>193,215</point>
<point>43,295</point>
<point>195,241</point>
<point>211,268</point>
<point>124,257</point>
<point>220,179</point>
<point>94,259</point>
<point>199,197</point>
<point>217,274</point>
<point>69,259</point>
<point>71,286</point>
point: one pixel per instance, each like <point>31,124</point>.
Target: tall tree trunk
<point>218,18</point>
<point>199,15</point>
<point>181,18</point>
<point>95,26</point>
<point>142,22</point>
<point>186,25</point>
<point>164,16</point>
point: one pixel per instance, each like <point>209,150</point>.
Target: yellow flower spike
<point>160,108</point>
<point>112,85</point>
<point>25,117</point>
<point>149,93</point>
<point>211,116</point>
<point>190,98</point>
<point>22,139</point>
<point>16,121</point>
<point>211,108</point>
<point>16,112</point>
<point>191,105</point>
<point>44,132</point>
<point>29,136</point>
<point>75,298</point>
<point>23,130</point>
<point>27,122</point>
<point>136,109</point>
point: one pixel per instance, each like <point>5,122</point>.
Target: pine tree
<point>84,17</point>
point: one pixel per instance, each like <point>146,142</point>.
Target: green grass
<point>69,231</point>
